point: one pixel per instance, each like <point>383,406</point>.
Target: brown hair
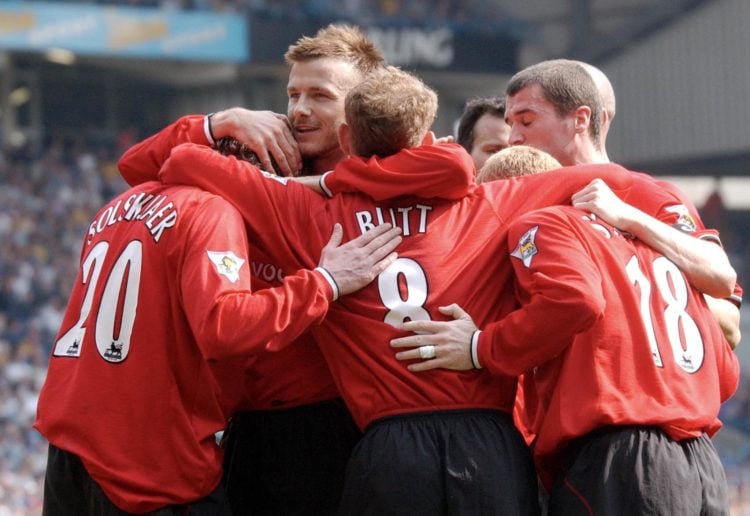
<point>390,110</point>
<point>474,110</point>
<point>516,161</point>
<point>345,42</point>
<point>229,146</point>
<point>566,85</point>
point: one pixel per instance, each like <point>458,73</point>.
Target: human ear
<point>582,118</point>
<point>344,141</point>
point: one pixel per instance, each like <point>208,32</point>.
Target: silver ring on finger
<point>427,352</point>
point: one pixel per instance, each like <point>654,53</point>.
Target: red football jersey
<point>609,333</point>
<point>163,289</point>
<point>451,252</point>
<point>294,376</point>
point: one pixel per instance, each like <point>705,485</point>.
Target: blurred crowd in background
<point>474,14</point>
<point>47,202</point>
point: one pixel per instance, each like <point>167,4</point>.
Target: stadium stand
<point>487,14</point>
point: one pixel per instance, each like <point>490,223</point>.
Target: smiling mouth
<point>301,132</point>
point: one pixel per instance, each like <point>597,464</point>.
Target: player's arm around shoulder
<point>143,160</point>
<point>705,264</point>
<point>230,319</point>
<point>275,208</point>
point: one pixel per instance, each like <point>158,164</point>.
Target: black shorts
<point>289,461</point>
<point>639,470</point>
<point>463,462</point>
<point>69,490</point>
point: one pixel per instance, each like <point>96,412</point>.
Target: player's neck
<point>323,164</point>
<point>591,156</point>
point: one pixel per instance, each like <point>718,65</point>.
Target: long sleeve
<point>560,291</point>
<point>143,160</point>
<point>227,318</point>
<point>283,218</point>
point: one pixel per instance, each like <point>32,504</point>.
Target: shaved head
<point>604,87</point>
<point>607,98</point>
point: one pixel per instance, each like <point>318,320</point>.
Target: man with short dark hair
<point>482,130</point>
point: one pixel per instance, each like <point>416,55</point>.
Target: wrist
<point>331,281</point>
<point>475,350</point>
<point>220,124</point>
<point>208,129</point>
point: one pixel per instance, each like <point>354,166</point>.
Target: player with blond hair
<point>516,161</point>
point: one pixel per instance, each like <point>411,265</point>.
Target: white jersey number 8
<point>411,306</point>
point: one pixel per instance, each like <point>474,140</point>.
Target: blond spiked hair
<point>516,161</point>
<point>345,42</point>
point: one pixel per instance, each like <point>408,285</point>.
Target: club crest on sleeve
<point>227,264</point>
<point>685,222</point>
<point>526,248</point>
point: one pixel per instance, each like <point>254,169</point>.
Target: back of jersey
<point>128,389</point>
<point>655,357</point>
<point>451,252</point>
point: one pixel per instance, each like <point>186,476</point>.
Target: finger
<point>423,326</point>
<point>265,159</point>
<point>285,168</point>
<point>290,149</point>
<point>582,192</point>
<point>410,341</point>
<point>336,235</point>
<point>379,241</point>
<point>369,235</point>
<point>425,365</point>
<point>390,241</point>
<point>289,144</point>
<point>412,354</point>
<point>429,138</point>
<point>384,264</point>
<point>584,197</point>
<point>454,311</point>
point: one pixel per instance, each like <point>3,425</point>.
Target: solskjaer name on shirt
<point>411,219</point>
<point>156,212</point>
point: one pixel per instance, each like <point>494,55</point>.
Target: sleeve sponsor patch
<point>526,248</point>
<point>283,180</point>
<point>227,264</point>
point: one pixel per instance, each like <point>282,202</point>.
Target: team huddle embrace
<point>447,328</point>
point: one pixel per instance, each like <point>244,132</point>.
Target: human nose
<point>301,106</point>
<point>516,137</point>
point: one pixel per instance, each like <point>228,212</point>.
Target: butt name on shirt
<point>156,212</point>
<point>411,219</point>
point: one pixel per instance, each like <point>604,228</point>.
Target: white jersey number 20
<point>111,348</point>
